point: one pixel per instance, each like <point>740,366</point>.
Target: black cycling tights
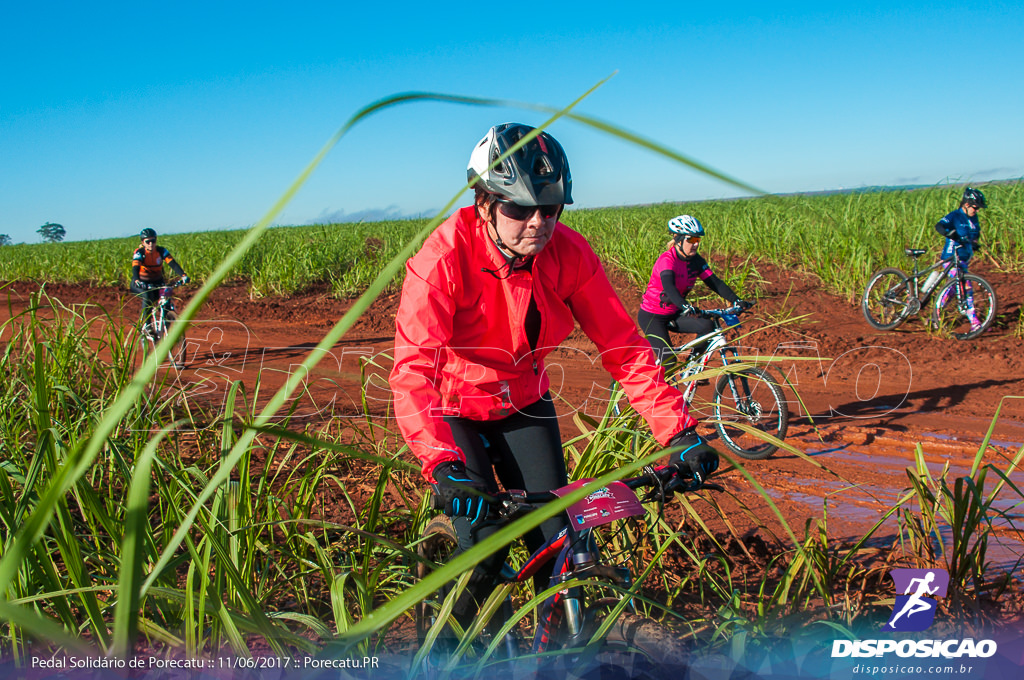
<point>523,451</point>
<point>655,329</point>
<point>147,296</point>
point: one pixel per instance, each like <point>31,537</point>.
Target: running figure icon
<point>916,606</point>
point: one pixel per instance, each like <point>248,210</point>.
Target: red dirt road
<point>866,398</point>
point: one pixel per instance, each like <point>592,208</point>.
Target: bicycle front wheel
<point>952,315</point>
<point>888,300</point>
<point>438,544</point>
<point>177,353</point>
<point>638,647</point>
<point>752,398</point>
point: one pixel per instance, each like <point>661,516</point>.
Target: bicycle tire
<point>147,338</point>
<point>639,647</point>
<point>177,353</point>
<point>439,542</point>
<point>888,300</point>
<point>949,319</point>
<point>756,389</point>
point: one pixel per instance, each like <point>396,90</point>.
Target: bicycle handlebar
<point>156,286</point>
<point>730,316</point>
<point>735,310</point>
<point>508,505</point>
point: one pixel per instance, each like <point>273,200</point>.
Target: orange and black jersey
<point>149,265</point>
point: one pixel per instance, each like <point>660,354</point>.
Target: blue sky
<point>195,116</point>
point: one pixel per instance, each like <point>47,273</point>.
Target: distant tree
<point>5,240</point>
<point>51,232</point>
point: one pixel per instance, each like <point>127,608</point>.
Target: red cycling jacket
<point>461,347</point>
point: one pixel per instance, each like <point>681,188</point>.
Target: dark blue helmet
<point>147,233</point>
<point>973,197</point>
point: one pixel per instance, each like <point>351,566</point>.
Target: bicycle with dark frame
<point>158,319</point>
<point>572,619</point>
<point>892,296</point>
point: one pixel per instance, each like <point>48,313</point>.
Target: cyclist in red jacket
<point>493,290</point>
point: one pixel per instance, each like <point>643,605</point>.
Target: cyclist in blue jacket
<point>961,227</point>
<point>962,231</point>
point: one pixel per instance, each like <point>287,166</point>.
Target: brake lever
<point>513,509</point>
<point>678,485</point>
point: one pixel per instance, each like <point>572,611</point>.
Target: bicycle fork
<point>745,405</point>
<point>571,603</point>
<point>965,299</point>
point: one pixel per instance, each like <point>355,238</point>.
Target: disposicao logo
<point>913,611</point>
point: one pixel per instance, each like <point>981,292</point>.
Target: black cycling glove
<point>696,460</point>
<point>688,310</point>
<point>461,495</point>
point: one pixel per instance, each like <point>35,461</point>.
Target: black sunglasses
<point>149,240</point>
<point>517,212</point>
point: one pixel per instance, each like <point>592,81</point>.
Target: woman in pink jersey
<point>675,273</point>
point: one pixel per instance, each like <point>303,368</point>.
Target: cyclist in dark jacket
<point>148,262</point>
<point>962,231</point>
<point>962,228</point>
<point>675,273</point>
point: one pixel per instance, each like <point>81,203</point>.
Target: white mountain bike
<point>746,400</point>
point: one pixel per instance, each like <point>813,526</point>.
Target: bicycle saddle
<point>915,252</point>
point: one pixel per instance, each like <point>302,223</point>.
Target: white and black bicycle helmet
<point>536,174</point>
<point>685,225</point>
<point>147,233</point>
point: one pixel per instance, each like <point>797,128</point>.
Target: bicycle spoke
<point>965,313</point>
<point>888,299</point>
<point>752,399</point>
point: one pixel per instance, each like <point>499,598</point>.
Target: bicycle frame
<point>576,555</point>
<point>961,282</point>
<point>159,310</point>
<point>946,266</point>
<point>716,343</point>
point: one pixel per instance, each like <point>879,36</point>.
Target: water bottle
<point>930,282</point>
